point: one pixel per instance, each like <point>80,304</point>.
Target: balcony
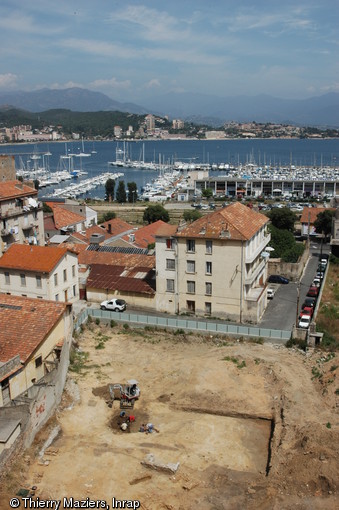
<point>258,250</point>
<point>249,279</point>
<point>5,232</point>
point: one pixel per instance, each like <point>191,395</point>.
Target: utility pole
<point>298,297</point>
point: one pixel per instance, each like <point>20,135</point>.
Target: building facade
<point>216,266</point>
<point>21,215</point>
<point>40,272</point>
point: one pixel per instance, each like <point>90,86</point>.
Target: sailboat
<point>83,154</point>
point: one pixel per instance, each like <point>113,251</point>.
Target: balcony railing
<point>252,256</point>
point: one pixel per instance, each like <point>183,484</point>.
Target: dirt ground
<point>252,426</point>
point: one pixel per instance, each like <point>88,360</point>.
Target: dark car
<point>276,278</point>
<point>309,301</point>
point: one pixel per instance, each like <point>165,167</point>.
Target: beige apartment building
<point>215,266</point>
<point>21,215</point>
<point>41,272</point>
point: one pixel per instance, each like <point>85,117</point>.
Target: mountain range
<point>321,111</point>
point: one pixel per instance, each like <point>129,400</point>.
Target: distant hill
<point>75,99</point>
<point>320,111</point>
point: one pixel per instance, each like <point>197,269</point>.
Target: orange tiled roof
<point>116,226</point>
<point>146,235</point>
<point>116,259</point>
<point>310,214</point>
<point>25,323</point>
<point>63,217</point>
<point>137,279</point>
<point>15,189</point>
<point>40,259</point>
<point>237,221</point>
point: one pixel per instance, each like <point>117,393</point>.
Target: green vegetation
<point>109,190</point>
<point>323,223</point>
<point>295,342</point>
<point>132,192</point>
<point>121,195</point>
<point>192,215</point>
<point>155,213</point>
<point>285,246</point>
<point>236,361</point>
<point>77,359</point>
<point>283,219</point>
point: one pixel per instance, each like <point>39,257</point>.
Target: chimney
<point>109,228</point>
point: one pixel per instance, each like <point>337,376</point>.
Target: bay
<point>273,152</point>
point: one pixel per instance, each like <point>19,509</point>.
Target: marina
<point>163,169</point>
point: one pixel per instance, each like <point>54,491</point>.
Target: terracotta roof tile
<point>86,236</point>
<point>137,279</point>
<point>89,258</point>
<point>15,189</point>
<point>24,324</point>
<point>237,221</point>
<point>32,258</point>
<point>310,214</point>
<point>116,226</point>
<point>146,235</point>
<point>63,217</point>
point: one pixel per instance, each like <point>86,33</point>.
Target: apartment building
<point>21,215</point>
<point>215,266</point>
<point>41,272</point>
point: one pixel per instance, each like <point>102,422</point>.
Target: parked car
<point>307,310</point>
<point>316,282</point>
<point>309,301</point>
<point>304,321</point>
<point>276,278</point>
<point>270,293</point>
<point>117,305</point>
<point>313,291</point>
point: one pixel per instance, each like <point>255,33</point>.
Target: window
<point>190,287</point>
<point>190,266</point>
<point>23,280</point>
<point>38,281</point>
<point>208,267</point>
<point>170,264</point>
<point>65,275</point>
<point>38,362</point>
<point>7,278</point>
<point>190,245</point>
<point>170,285</point>
<point>190,305</point>
<point>74,290</point>
<point>56,279</point>
<point>208,308</point>
<point>209,247</point>
<point>169,244</point>
<point>73,271</point>
<point>56,297</point>
<point>208,288</point>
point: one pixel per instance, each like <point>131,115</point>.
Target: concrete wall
<point>99,295</point>
<point>290,270</point>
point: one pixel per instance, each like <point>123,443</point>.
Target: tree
<point>121,193</point>
<point>207,193</point>
<point>282,219</point>
<point>154,213</point>
<point>192,215</point>
<point>109,188</point>
<point>109,215</point>
<point>132,192</point>
<point>323,223</point>
<point>284,244</point>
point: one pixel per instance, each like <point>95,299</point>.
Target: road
<point>281,312</point>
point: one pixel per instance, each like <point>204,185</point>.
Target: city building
<point>215,266</point>
<point>32,335</point>
<point>150,122</point>
<point>21,216</point>
<point>40,272</point>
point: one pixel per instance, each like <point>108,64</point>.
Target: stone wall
<point>290,270</point>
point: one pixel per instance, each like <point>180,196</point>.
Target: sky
<point>132,50</point>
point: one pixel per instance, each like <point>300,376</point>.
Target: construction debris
<point>158,465</point>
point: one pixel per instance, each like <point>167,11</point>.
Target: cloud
<point>8,80</point>
<point>112,82</point>
<point>153,84</point>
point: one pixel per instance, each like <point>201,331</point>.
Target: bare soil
<point>252,426</point>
